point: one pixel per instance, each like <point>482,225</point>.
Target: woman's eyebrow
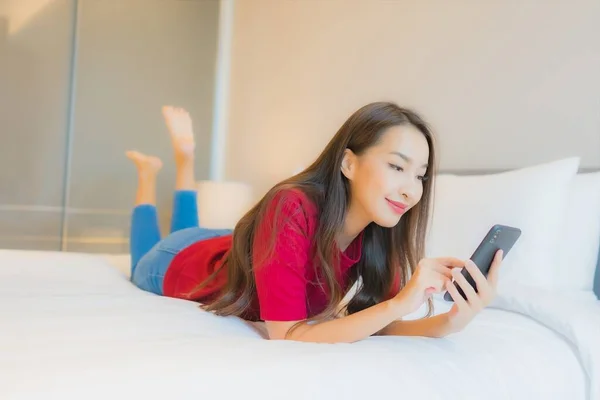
<point>407,158</point>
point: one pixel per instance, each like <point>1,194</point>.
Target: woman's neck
<point>354,223</point>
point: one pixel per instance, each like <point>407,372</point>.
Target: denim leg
<point>145,232</point>
<point>152,267</point>
<point>151,270</point>
<point>185,210</point>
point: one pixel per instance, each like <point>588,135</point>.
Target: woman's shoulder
<point>293,204</point>
<point>294,199</point>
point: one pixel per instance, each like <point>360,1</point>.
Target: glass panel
<point>90,228</point>
<point>132,57</point>
<point>35,67</point>
<point>30,227</point>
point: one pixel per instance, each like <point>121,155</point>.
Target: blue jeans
<point>151,256</point>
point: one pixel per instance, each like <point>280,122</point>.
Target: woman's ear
<point>348,164</point>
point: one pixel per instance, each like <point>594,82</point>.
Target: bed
<point>74,327</point>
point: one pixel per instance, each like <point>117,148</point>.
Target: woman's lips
<point>397,207</point>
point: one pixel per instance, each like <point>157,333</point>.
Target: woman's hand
<point>430,276</point>
<point>463,311</point>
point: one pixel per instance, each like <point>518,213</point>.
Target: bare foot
<point>147,168</point>
<point>143,162</point>
<point>179,124</point>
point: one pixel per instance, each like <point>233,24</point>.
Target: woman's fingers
<point>451,262</point>
<point>445,265</point>
<point>460,302</point>
<point>472,296</point>
<point>438,281</point>
<point>434,273</point>
<point>493,273</point>
<point>480,281</point>
<point>442,269</point>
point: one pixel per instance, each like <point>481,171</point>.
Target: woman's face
<point>387,179</point>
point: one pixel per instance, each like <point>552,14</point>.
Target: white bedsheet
<point>73,327</point>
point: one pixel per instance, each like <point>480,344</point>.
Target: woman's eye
<point>422,178</point>
<point>396,167</point>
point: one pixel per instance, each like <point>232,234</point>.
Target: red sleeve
<point>280,274</point>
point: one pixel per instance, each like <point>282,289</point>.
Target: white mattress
<point>73,327</point>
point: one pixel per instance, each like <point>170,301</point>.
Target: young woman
<point>358,214</point>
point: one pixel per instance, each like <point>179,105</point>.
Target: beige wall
<point>504,83</point>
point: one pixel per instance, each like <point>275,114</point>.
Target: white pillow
<point>532,199</point>
<point>580,234</point>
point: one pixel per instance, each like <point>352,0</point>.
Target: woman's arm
<point>463,310</point>
<point>347,329</point>
<point>436,326</point>
<point>428,276</point>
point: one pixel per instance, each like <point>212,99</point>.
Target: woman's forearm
<point>350,328</point>
<point>436,326</point>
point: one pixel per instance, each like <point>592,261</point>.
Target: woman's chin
<point>387,221</point>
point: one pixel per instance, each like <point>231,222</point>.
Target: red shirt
<point>287,281</point>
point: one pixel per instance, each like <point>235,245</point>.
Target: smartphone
<point>499,237</point>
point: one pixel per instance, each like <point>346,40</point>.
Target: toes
<point>157,162</point>
<point>132,154</point>
<point>168,112</point>
<point>178,111</point>
<point>144,161</point>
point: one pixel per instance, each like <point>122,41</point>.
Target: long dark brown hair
<point>388,254</point>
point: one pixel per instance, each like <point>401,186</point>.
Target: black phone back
<point>498,237</point>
